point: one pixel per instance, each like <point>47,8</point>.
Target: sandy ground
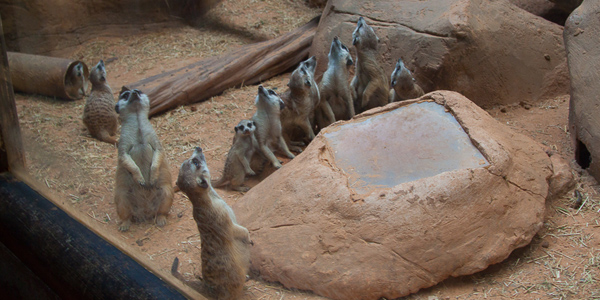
<point>562,261</point>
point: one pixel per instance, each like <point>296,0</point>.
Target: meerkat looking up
<point>300,100</point>
<point>237,164</point>
<point>225,244</point>
<point>369,85</point>
<point>336,96</point>
<point>75,82</point>
<point>143,188</point>
<point>403,85</point>
<point>268,125</point>
<point>99,114</point>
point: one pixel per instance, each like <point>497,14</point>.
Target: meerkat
<point>403,85</point>
<point>300,100</point>
<point>75,82</point>
<point>369,85</point>
<point>143,188</point>
<point>225,245</point>
<point>237,164</point>
<point>336,97</point>
<point>99,114</point>
<point>268,125</point>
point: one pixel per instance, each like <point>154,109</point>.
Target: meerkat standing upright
<point>268,125</point>
<point>143,188</point>
<point>369,84</point>
<point>99,114</point>
<point>225,244</point>
<point>336,97</point>
<point>403,84</point>
<point>300,101</point>
<point>237,164</point>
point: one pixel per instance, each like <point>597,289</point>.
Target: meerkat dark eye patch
<point>237,128</point>
<point>272,92</point>
<point>196,162</point>
<point>125,95</point>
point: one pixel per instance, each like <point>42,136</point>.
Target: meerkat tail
<point>174,268</point>
<point>105,137</point>
<point>198,286</point>
<point>219,182</point>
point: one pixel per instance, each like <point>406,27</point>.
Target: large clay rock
<point>490,51</point>
<point>581,39</point>
<point>317,224</point>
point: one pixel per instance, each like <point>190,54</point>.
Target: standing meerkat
<point>370,84</point>
<point>99,114</point>
<point>237,164</point>
<point>268,125</point>
<point>75,82</point>
<point>336,97</point>
<point>225,245</point>
<point>403,84</point>
<point>143,188</point>
<point>300,100</point>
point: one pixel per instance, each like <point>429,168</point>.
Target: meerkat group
<point>143,186</point>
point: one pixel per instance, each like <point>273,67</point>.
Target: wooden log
<point>12,156</point>
<point>245,66</point>
<point>44,75</point>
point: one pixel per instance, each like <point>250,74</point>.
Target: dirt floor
<point>562,262</point>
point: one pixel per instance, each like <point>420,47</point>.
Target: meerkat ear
<point>117,108</point>
<point>307,82</point>
<point>237,128</point>
<point>201,181</point>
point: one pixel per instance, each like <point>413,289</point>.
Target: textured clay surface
<point>581,30</point>
<point>312,230</point>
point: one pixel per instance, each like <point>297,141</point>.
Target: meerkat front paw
<point>161,221</point>
<point>125,225</point>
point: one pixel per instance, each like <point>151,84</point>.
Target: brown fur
<point>99,114</point>
<point>300,101</point>
<point>370,84</point>
<point>143,188</point>
<point>225,244</point>
<point>336,96</point>
<point>403,84</point>
<point>237,164</point>
<point>268,125</point>
<point>75,83</point>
